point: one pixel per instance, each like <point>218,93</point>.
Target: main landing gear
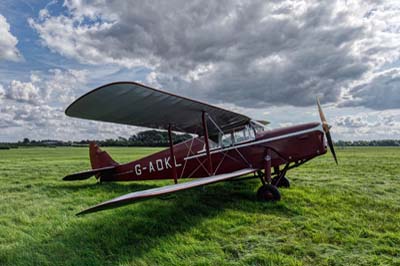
<point>269,189</point>
<point>268,192</point>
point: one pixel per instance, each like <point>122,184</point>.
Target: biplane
<point>226,145</point>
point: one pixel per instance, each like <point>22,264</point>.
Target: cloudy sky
<point>266,59</point>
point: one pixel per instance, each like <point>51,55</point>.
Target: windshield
<point>258,127</point>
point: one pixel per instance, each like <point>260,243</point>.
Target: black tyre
<point>281,182</point>
<point>268,192</point>
<point>260,174</point>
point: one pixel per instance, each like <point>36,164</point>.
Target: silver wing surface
<point>131,103</point>
<point>154,192</point>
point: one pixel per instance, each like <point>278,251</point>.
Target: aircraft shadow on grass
<point>129,232</point>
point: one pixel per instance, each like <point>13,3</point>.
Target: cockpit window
<point>245,134</point>
<point>226,140</point>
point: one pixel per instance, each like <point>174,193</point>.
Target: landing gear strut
<point>268,191</point>
<point>281,182</point>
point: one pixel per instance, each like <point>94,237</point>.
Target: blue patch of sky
<point>38,58</point>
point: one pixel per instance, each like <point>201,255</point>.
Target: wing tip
<point>81,213</point>
<point>88,210</point>
<point>96,208</point>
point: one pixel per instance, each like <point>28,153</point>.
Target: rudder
<point>99,158</point>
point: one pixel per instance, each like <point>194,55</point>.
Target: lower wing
<point>154,192</point>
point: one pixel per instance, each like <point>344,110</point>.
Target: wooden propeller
<point>326,128</point>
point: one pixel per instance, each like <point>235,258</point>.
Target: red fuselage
<point>285,145</point>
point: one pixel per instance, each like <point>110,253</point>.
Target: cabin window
<point>226,140</point>
<point>242,135</point>
<point>245,134</point>
<point>212,144</point>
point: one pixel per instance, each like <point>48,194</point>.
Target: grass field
<point>346,215</point>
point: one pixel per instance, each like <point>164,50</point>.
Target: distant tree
<point>161,139</point>
<point>371,143</point>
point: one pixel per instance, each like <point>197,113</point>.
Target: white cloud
<point>23,91</point>
<point>369,125</point>
<point>2,92</point>
<point>35,109</point>
<point>8,42</point>
<point>19,120</point>
<point>63,86</point>
<point>251,53</point>
<point>56,86</point>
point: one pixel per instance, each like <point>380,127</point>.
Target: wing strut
<point>203,118</point>
<point>171,150</point>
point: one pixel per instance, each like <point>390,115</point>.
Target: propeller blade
<point>330,144</point>
<point>326,128</point>
<point>321,113</point>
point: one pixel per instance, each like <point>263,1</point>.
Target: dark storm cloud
<point>381,92</point>
<point>251,53</point>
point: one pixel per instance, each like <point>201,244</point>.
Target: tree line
<point>154,138</point>
<point>371,143</point>
<point>149,138</point>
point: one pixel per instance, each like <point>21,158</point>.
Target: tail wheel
<point>281,182</point>
<point>268,192</point>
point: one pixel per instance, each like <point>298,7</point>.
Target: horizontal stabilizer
<point>86,174</point>
<point>154,192</point>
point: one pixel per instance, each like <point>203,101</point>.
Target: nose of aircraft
<point>326,128</point>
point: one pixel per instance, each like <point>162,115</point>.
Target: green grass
<point>346,215</point>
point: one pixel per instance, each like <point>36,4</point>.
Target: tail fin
<point>99,158</point>
<point>102,164</point>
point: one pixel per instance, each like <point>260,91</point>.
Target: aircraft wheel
<point>283,182</point>
<point>260,174</point>
<point>268,192</point>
